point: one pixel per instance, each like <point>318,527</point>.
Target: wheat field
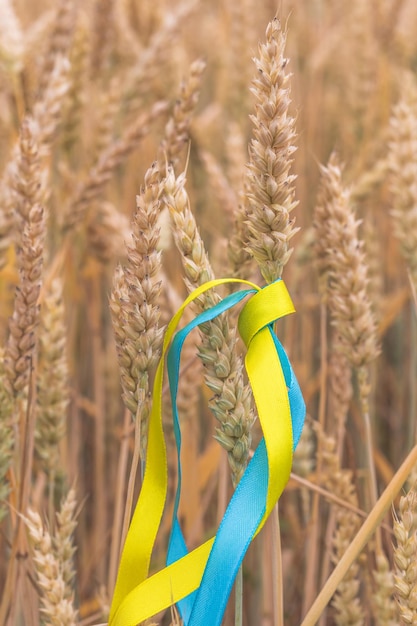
<point>146,148</point>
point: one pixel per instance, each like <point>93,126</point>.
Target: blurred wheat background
<point>143,151</point>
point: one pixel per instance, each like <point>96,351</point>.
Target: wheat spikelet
<point>52,379</point>
<point>341,258</point>
<point>405,556</point>
<point>6,436</point>
<point>384,606</point>
<point>134,299</point>
<point>341,390</point>
<point>47,110</point>
<point>223,191</point>
<point>27,180</point>
<point>107,231</point>
<point>177,130</point>
<point>12,42</point>
<point>109,159</point>
<point>103,30</point>
<point>330,192</point>
<point>20,348</point>
<point>108,107</point>
<point>269,188</point>
<point>23,181</point>
<point>361,80</point>
<point>59,41</point>
<point>7,223</point>
<point>236,156</point>
<point>223,368</point>
<point>52,557</point>
<point>239,46</point>
<point>21,185</point>
<point>403,172</point>
<point>77,93</point>
<point>346,600</point>
<point>155,56</point>
<point>63,541</point>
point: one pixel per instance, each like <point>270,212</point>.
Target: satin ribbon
<point>200,581</point>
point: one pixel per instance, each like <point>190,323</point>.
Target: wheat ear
<point>346,600</point>
<point>231,402</point>
<point>53,560</point>
<point>134,301</point>
<point>59,41</point>
<point>405,555</point>
<point>269,187</point>
<point>52,379</point>
<point>403,173</point>
<point>109,159</point>
<point>20,348</point>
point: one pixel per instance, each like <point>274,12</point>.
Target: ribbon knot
<point>200,581</point>
<point>263,308</point>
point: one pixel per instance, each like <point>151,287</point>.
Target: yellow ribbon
<point>137,597</point>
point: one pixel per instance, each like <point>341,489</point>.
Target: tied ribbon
<point>200,581</point>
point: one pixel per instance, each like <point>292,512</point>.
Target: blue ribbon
<point>206,606</point>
